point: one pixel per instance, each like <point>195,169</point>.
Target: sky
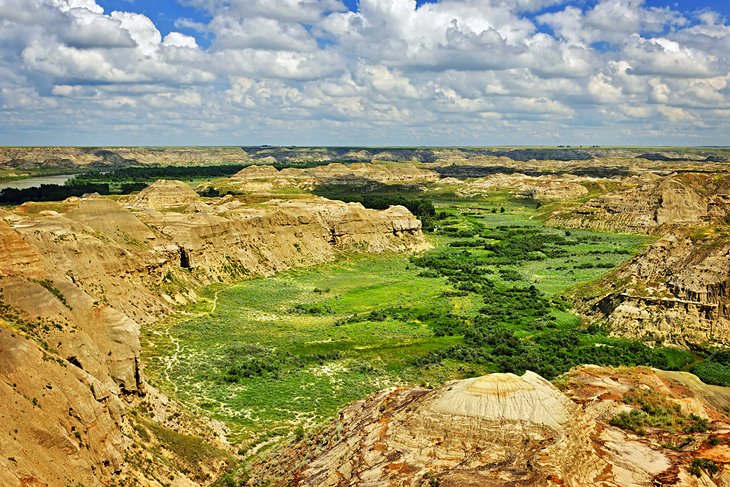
<point>365,72</point>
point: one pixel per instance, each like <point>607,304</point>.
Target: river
<point>34,182</point>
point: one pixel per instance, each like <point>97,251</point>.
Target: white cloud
<point>176,39</point>
<point>260,33</point>
<point>311,71</point>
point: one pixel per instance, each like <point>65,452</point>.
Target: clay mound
<point>507,397</point>
<point>505,430</point>
<point>499,429</point>
<point>110,218</point>
<point>165,195</point>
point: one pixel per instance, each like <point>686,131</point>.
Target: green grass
<point>292,349</point>
<point>260,311</point>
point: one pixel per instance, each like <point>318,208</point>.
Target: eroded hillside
<point>503,429</point>
<point>77,279</point>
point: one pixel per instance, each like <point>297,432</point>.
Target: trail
<point>697,359</point>
<point>215,303</point>
<point>173,359</point>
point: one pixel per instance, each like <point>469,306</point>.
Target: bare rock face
<point>495,430</point>
<point>262,179</point>
<point>556,188</point>
<point>662,455</point>
<point>651,202</point>
<point>675,292</point>
<point>109,218</point>
<point>165,195</point>
<point>60,425</point>
<point>17,254</point>
<point>499,429</point>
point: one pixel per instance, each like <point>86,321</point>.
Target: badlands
<point>82,279</point>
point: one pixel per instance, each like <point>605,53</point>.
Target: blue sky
<point>311,72</point>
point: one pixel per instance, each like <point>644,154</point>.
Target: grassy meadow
<point>271,357</point>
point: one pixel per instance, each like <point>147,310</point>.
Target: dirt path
<point>173,359</point>
<point>215,303</point>
<point>697,359</point>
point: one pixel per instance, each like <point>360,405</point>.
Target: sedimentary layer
<point>503,429</point>
<point>78,279</point>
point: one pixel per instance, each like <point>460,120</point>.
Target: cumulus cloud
<point>312,71</point>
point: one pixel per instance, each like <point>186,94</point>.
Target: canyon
<point>77,282</point>
<point>80,278</point>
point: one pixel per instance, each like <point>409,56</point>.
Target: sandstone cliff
<point>650,203</point>
<point>561,188</point>
<point>675,292</point>
<point>502,429</point>
<point>77,281</point>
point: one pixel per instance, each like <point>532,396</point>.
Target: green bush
<point>711,372</point>
<point>700,464</point>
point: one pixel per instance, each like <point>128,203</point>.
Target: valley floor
<point>272,357</point>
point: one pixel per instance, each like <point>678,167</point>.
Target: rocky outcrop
<point>675,292</point>
<point>652,202</point>
<point>559,188</point>
<point>61,425</point>
<point>71,158</point>
<point>499,429</point>
<point>265,179</point>
<point>165,195</point>
<point>76,285</point>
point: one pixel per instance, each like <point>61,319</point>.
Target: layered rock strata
<point>675,292</point>
<point>558,188</point>
<point>77,281</point>
<point>651,203</point>
<point>502,429</point>
<point>267,178</point>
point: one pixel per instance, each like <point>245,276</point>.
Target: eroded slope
<point>76,282</point>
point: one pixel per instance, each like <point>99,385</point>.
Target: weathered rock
<point>675,292</point>
<point>60,425</point>
<point>499,429</point>
<point>265,179</point>
<point>165,195</point>
<point>561,188</point>
<point>17,255</point>
<point>75,285</point>
<point>652,202</point>
<point>108,217</point>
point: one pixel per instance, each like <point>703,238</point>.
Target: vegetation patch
<point>652,410</point>
<point>715,369</point>
<point>290,350</point>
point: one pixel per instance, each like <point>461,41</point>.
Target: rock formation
<point>76,284</point>
<point>652,202</point>
<point>571,158</point>
<point>266,178</point>
<point>560,188</point>
<point>165,195</point>
<point>675,292</point>
<point>502,429</point>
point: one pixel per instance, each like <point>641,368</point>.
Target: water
<point>36,181</point>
